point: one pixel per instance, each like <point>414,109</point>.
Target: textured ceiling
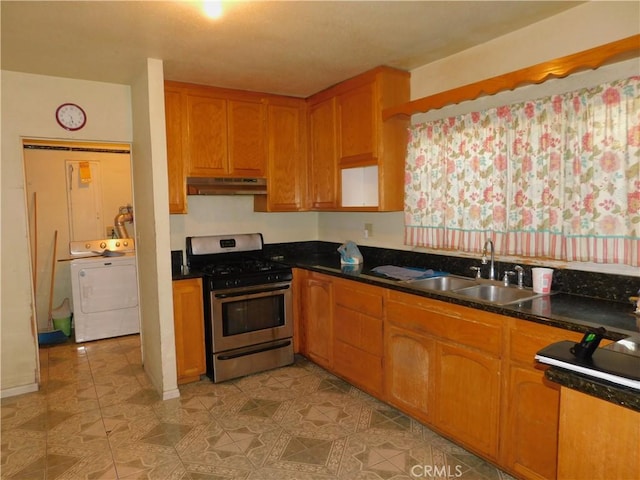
<point>294,48</point>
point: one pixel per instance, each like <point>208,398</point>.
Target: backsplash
<point>617,288</point>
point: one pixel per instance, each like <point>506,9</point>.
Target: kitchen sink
<point>474,289</point>
<point>497,294</point>
<point>442,284</point>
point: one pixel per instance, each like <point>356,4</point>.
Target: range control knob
<point>117,244</point>
<point>87,246</point>
<point>103,245</point>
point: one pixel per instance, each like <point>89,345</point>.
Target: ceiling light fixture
<point>212,9</point>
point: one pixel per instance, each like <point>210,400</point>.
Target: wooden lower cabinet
<point>188,320</point>
<point>443,366</point>
<point>357,335</point>
<point>409,363</point>
<point>530,424</point>
<point>530,405</point>
<point>317,318</point>
<point>467,373</point>
<point>597,439</point>
<point>468,388</point>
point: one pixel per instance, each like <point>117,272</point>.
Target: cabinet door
<point>530,444</point>
<point>597,439</point>
<point>468,388</point>
<point>247,131</point>
<point>188,318</point>
<point>207,137</point>
<point>357,125</point>
<point>409,364</point>
<point>318,320</point>
<point>323,159</point>
<point>175,128</point>
<point>286,174</point>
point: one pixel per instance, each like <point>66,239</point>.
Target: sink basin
<point>442,283</point>
<point>497,294</point>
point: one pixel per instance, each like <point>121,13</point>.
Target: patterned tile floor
<point>97,417</point>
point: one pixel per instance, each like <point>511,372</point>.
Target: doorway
<point>72,189</point>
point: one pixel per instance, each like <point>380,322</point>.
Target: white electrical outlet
<point>368,230</point>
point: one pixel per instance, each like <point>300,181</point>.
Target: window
<point>557,177</point>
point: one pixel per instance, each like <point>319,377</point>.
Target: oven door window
<point>253,314</point>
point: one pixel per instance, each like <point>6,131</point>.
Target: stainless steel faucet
<point>520,272</point>
<point>492,271</point>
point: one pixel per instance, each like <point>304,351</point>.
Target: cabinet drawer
<point>361,331</point>
<point>527,338</point>
<point>362,299</point>
<point>361,368</point>
<point>468,327</point>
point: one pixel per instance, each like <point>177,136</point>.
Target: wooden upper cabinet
<point>223,131</point>
<point>217,132</point>
<point>247,145</point>
<point>226,136</point>
<point>357,121</point>
<point>286,165</point>
<point>367,171</point>
<point>323,168</point>
<point>207,134</point>
<point>175,126</point>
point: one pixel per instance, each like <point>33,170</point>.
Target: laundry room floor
<point>97,416</point>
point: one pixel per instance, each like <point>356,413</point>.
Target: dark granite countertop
<point>562,310</point>
<point>611,392</point>
<point>185,274</point>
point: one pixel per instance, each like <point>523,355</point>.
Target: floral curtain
<point>557,177</point>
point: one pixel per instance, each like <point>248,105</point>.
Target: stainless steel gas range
<point>248,305</point>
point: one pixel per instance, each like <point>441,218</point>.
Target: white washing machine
<point>105,289</point>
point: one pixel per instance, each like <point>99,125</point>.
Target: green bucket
<point>63,324</point>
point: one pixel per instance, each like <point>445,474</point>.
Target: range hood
<point>226,186</point>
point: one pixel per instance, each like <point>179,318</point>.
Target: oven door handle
<point>244,293</point>
<point>275,346</point>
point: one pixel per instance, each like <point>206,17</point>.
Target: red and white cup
<point>542,278</point>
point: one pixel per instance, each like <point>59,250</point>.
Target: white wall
<point>228,214</point>
<point>151,199</point>
<point>586,26</point>
<point>28,106</point>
